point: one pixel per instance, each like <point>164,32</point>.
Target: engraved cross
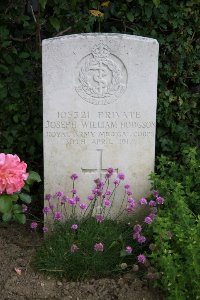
<point>99,169</point>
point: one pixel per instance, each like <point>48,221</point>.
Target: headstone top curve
<point>101,35</point>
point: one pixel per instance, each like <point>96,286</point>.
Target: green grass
<point>54,257</point>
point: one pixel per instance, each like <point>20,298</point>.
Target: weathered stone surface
<point>100,94</point>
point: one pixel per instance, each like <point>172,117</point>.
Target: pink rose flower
<point>12,173</point>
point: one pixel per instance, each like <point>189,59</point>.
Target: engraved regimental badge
<point>102,76</point>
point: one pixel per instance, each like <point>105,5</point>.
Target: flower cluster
<point>97,205</point>
<point>152,205</point>
<point>102,192</point>
<point>137,230</point>
<point>98,247</point>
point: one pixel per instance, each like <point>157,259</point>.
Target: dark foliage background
<point>23,24</point>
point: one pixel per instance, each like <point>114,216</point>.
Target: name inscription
<point>99,128</point>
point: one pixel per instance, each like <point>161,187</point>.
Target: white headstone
<point>100,95</point>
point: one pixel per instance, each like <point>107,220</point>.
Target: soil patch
<point>17,246</point>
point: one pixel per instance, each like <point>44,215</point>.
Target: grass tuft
<point>55,258</point>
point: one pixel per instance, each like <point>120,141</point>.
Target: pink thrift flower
<point>152,203</point>
<point>91,197</point>
<point>143,201</point>
<point>34,225</point>
<point>121,176</point>
<point>100,218</point>
<point>48,197</point>
<point>160,200</point>
<point>63,200</point>
<point>129,249</point>
<point>12,173</point>
<point>108,193</point>
<point>74,176</point>
<point>108,175</point>
<point>129,193</point>
<point>116,181</point>
<point>96,192</point>
<point>136,235</point>
<point>83,206</point>
<point>141,239</point>
<point>72,201</point>
<point>46,210</point>
<point>74,227</point>
<point>155,193</point>
<point>148,220</point>
<point>137,228</point>
<point>152,216</point>
<point>106,203</point>
<point>141,258</point>
<point>99,247</point>
<point>130,208</point>
<point>74,248</point>
<point>126,186</point>
<point>59,194</point>
<point>77,198</point>
<point>110,171</point>
<point>57,216</point>
<point>131,201</point>
<point>45,229</point>
<point>99,184</point>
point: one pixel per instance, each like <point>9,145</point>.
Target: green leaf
<point>123,253</point>
<point>113,244</point>
<point>148,11</point>
<point>4,69</point>
<point>14,94</point>
<point>25,198</point>
<point>24,55</point>
<point>120,239</point>
<point>43,3</point>
<point>20,218</point>
<point>55,23</point>
<point>8,59</point>
<point>156,2</point>
<point>26,188</point>
<point>33,176</point>
<point>130,16</point>
<point>17,208</point>
<point>16,118</point>
<point>14,197</point>
<point>18,70</point>
<point>7,217</point>
<point>5,203</point>
<point>3,93</point>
